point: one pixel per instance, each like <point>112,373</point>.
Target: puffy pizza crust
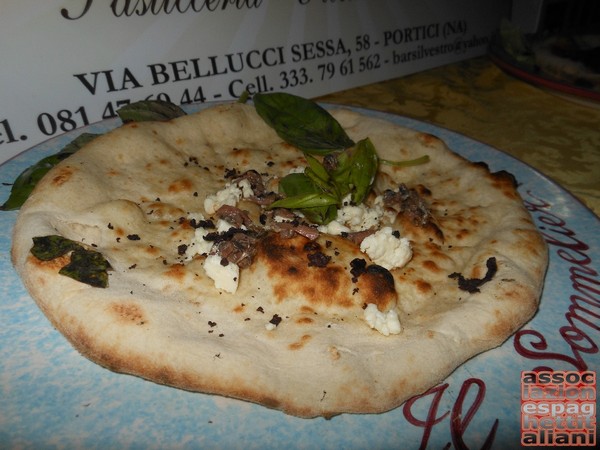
<point>162,319</point>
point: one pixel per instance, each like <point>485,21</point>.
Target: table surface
<point>556,135</point>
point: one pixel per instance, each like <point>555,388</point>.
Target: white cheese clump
<point>230,195</point>
<point>387,250</point>
<point>386,323</point>
<point>199,245</point>
<point>354,218</point>
<point>226,277</point>
<point>246,188</point>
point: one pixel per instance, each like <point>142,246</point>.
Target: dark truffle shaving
<point>472,285</point>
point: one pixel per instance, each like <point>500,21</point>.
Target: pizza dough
<point>293,335</point>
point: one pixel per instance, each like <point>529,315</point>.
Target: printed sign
<point>69,63</point>
<point>558,408</point>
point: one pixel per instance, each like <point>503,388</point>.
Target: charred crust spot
<point>176,271</point>
<point>318,259</point>
<point>129,313</point>
<point>377,286</point>
<point>183,185</point>
<point>423,286</point>
<point>431,266</point>
<point>64,175</point>
<point>504,176</point>
<point>334,353</point>
<point>151,250</point>
<point>472,285</point>
<point>382,273</point>
<point>304,320</point>
<point>300,343</point>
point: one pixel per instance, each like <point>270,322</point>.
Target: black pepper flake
<point>358,267</point>
<point>182,249</point>
<point>270,163</point>
<point>396,234</point>
<point>312,246</point>
<point>472,285</point>
<point>110,226</point>
<point>231,173</point>
<point>260,309</point>
<point>134,237</point>
<point>202,223</point>
<point>318,259</point>
<point>275,320</point>
<point>212,324</point>
<point>133,266</point>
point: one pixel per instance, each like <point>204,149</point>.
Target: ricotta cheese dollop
<point>354,218</point>
<point>387,250</point>
<point>225,277</point>
<point>230,195</point>
<point>386,323</point>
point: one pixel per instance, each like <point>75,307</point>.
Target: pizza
<point>313,261</point>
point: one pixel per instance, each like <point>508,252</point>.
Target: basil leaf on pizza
<point>302,123</point>
<point>145,110</point>
<point>26,181</point>
<point>84,265</point>
<point>329,281</point>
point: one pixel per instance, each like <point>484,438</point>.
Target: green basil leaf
<point>302,201</point>
<point>145,110</point>
<point>302,123</point>
<point>321,215</point>
<point>406,163</point>
<point>341,173</point>
<point>47,248</point>
<point>363,169</point>
<point>29,178</point>
<point>297,184</point>
<point>87,266</point>
<point>319,208</point>
<point>303,194</point>
<point>317,168</point>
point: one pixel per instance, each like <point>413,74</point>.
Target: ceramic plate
<point>52,397</point>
